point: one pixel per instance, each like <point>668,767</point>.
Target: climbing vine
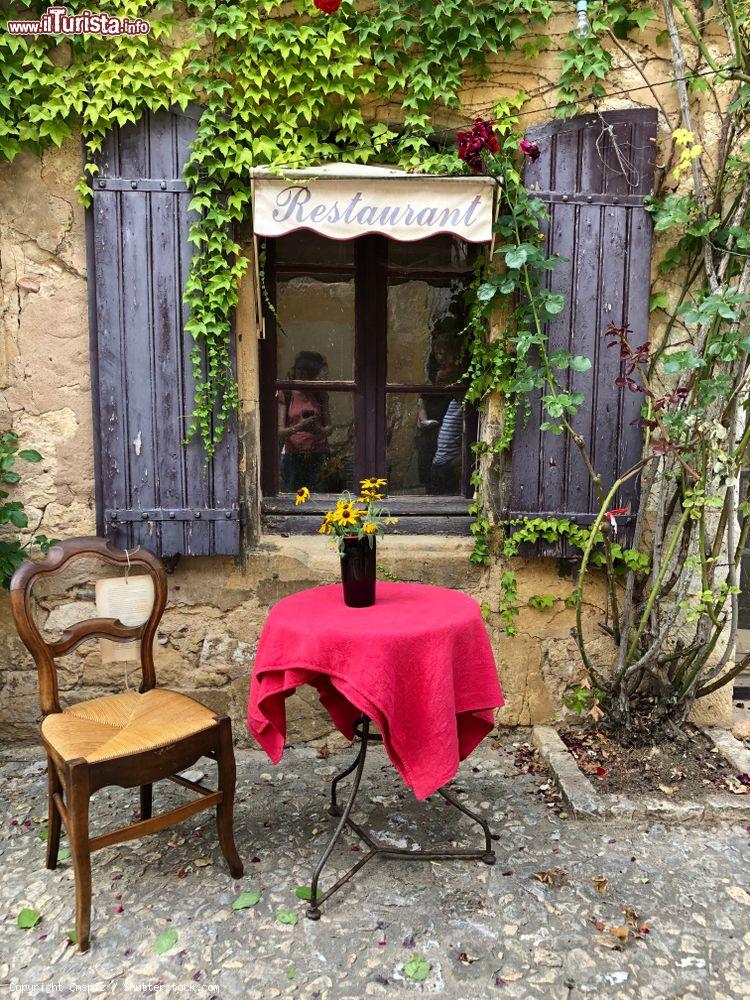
<point>282,84</point>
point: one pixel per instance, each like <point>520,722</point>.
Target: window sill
<point>420,515</point>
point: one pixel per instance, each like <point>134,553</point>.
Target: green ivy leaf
<point>28,918</point>
<point>417,968</point>
<point>303,892</point>
<point>246,900</point>
<point>166,940</point>
<point>285,917</point>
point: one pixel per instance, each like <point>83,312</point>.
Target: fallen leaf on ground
<point>285,917</point>
<point>246,900</point>
<point>303,892</point>
<point>552,876</point>
<point>607,941</point>
<point>596,713</point>
<point>28,918</point>
<point>601,884</point>
<point>202,862</point>
<point>417,968</point>
<point>621,932</point>
<point>634,921</point>
<point>165,941</point>
<point>668,790</point>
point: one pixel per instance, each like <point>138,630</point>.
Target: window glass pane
<point>316,440</point>
<point>315,328</point>
<point>442,253</point>
<point>310,248</point>
<point>425,320</point>
<point>424,436</point>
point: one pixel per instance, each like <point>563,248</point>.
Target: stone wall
<point>217,606</point>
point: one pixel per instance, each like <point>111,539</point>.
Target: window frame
<point>370,389</point>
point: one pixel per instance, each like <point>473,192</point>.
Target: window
<point>361,368</point>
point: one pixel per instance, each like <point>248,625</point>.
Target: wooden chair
<point>129,739</point>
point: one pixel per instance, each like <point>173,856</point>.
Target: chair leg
<point>225,808</point>
<point>53,816</point>
<point>147,800</point>
<point>78,832</point>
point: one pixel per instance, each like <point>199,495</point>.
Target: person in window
<point>304,425</point>
<point>441,370</point>
<point>445,472</point>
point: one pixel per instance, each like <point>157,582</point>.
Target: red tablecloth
<point>418,662</point>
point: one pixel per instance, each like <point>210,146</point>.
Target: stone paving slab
<point>484,932</point>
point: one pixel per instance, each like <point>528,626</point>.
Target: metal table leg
<point>362,730</point>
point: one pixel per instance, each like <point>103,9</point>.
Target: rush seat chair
<point>129,739</point>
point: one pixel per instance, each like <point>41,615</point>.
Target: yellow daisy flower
<point>370,529</point>
<point>303,495</point>
<point>372,484</point>
<point>347,515</point>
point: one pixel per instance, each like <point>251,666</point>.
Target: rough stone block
<point>673,812</point>
<point>728,807</point>
<point>731,749</point>
<point>578,792</point>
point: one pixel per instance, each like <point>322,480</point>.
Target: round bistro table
<point>418,664</point>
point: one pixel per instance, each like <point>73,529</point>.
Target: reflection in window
<point>316,438</point>
<point>363,366</point>
<point>425,443</point>
<point>317,317</point>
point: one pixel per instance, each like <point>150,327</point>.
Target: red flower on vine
<point>530,149</point>
<point>479,139</point>
<point>327,6</point>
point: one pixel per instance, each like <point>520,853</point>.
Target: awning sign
<point>404,207</point>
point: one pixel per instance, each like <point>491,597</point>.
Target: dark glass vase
<point>358,572</point>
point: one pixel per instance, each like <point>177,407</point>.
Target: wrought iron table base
<point>362,730</point>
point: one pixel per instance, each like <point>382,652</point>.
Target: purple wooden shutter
<point>593,174</point>
<point>151,488</point>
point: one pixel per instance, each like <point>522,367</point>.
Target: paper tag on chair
<point>129,600</point>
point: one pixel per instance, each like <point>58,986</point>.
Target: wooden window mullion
<point>268,359</point>
<point>370,357</point>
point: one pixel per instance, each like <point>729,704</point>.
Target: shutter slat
<point>111,389</point>
<point>593,173</point>
<point>138,368</point>
<point>153,489</point>
<point>167,334</point>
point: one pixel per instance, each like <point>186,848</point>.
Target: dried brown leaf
<point>668,790</point>
<point>601,884</point>
<point>606,941</point>
<point>552,876</point>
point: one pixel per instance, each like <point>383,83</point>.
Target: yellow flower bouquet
<point>356,522</point>
<point>361,516</point>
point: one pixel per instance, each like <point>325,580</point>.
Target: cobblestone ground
<point>482,932</point>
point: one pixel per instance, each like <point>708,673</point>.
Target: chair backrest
<point>59,556</point>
